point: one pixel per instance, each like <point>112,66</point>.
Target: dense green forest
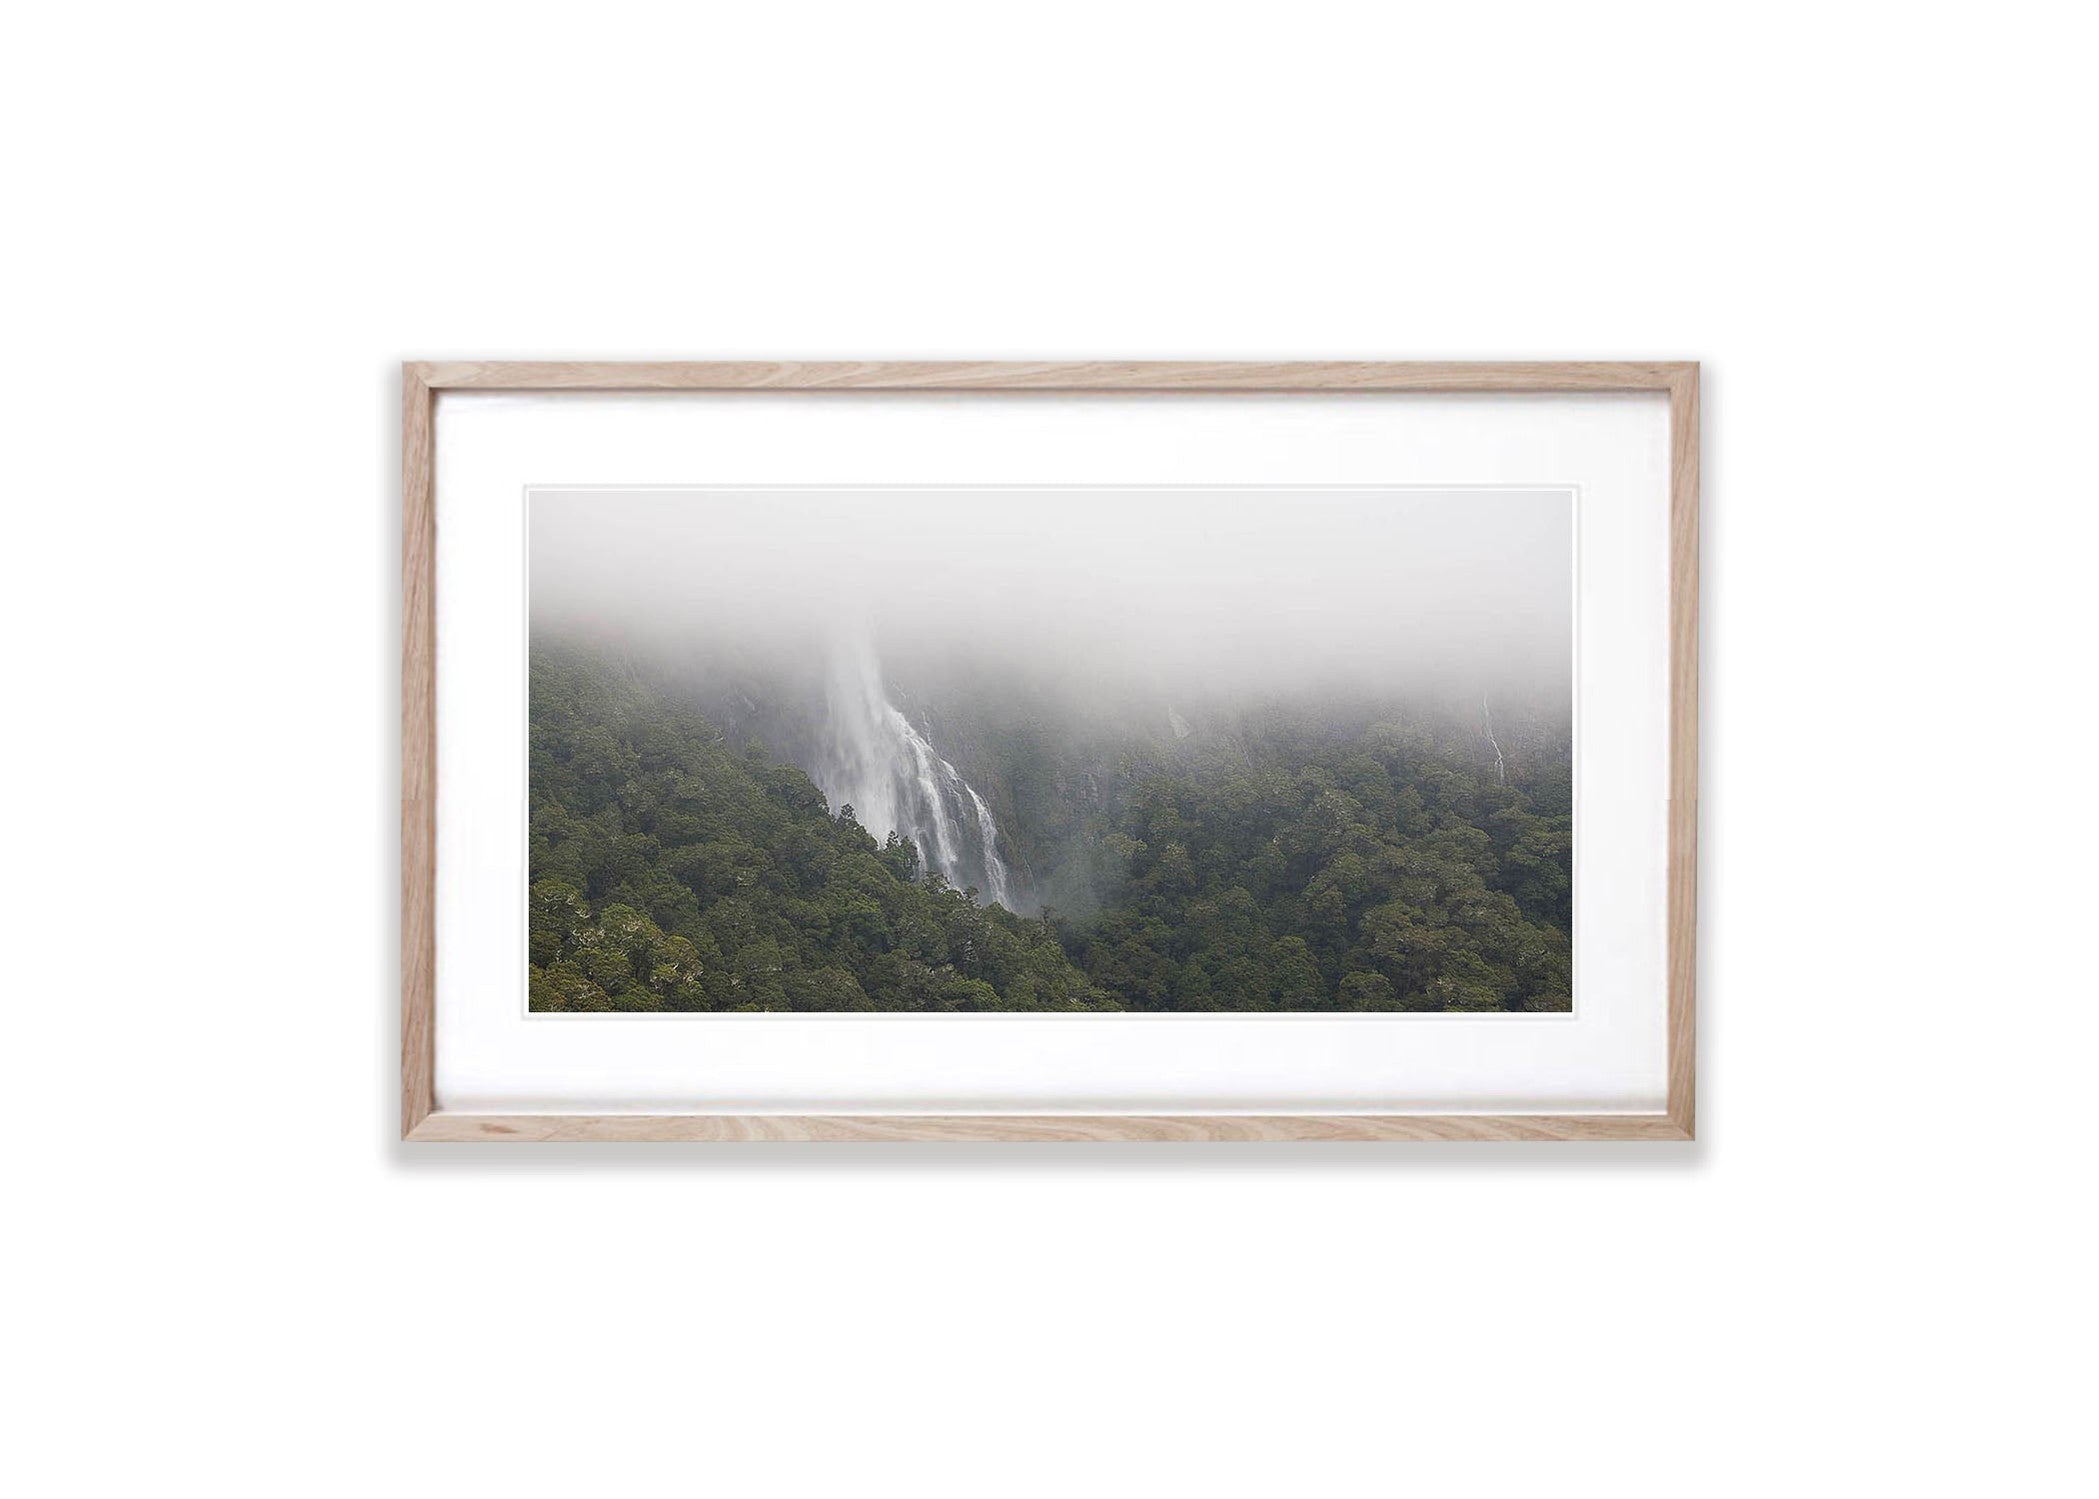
<point>1358,866</point>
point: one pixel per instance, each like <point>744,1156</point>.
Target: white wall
<point>227,226</point>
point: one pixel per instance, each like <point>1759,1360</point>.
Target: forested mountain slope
<point>1301,862</point>
<point>670,872</point>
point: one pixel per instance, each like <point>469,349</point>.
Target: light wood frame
<point>420,385</point>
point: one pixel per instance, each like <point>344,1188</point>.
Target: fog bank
<point>1219,591</point>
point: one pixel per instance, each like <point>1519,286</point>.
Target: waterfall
<point>873,758</point>
<point>996,884</point>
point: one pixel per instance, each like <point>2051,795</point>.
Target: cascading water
<point>874,759</point>
<point>997,885</point>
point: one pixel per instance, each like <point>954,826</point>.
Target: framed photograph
<point>1007,752</point>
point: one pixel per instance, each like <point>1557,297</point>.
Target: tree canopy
<point>670,872</point>
<point>1312,869</point>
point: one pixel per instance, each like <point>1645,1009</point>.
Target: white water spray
<point>1501,770</point>
<point>874,758</point>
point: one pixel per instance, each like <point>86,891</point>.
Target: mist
<point>982,672</point>
<point>1208,592</point>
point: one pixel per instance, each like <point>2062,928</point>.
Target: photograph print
<point>1051,751</point>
